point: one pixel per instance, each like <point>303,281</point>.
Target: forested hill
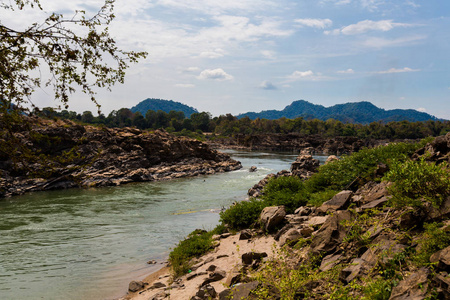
<point>357,112</point>
<point>164,105</point>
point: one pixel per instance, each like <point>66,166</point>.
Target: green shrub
<point>432,240</point>
<point>318,198</point>
<point>196,244</point>
<point>288,191</point>
<point>243,214</point>
<point>416,180</point>
<point>340,174</point>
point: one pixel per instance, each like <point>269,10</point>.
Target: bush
<point>287,191</point>
<point>416,180</point>
<point>243,214</point>
<point>340,174</point>
<point>432,240</point>
<point>196,244</point>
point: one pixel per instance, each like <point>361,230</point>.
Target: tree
<point>86,60</point>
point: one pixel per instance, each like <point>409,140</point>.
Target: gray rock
<point>331,233</point>
<point>442,259</point>
<point>245,234</point>
<point>339,201</point>
<point>414,287</point>
<point>239,292</point>
<point>351,272</point>
<point>249,257</point>
<point>330,261</point>
<point>292,235</point>
<point>215,276</point>
<point>272,216</point>
<point>135,286</point>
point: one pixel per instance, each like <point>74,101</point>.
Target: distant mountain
<point>357,112</point>
<point>164,105</point>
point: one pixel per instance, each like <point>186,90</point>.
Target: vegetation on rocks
<point>364,243</point>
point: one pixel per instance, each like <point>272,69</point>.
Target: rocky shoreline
<point>353,239</point>
<point>68,155</point>
<point>315,144</point>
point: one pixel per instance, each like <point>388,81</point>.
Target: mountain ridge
<point>164,105</point>
<point>363,112</point>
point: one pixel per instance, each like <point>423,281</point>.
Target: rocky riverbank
<point>296,142</point>
<point>355,245</point>
<point>44,155</point>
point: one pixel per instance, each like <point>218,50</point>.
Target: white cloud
<point>316,23</point>
<point>215,74</point>
<point>211,54</point>
<point>301,74</point>
<point>268,54</point>
<point>394,70</point>
<point>184,85</point>
<point>348,71</point>
<point>421,109</point>
<point>382,43</point>
<point>266,85</point>
<point>190,70</point>
<point>368,25</point>
<point>306,75</point>
<point>216,7</point>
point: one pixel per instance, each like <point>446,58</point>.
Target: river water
<point>89,243</point>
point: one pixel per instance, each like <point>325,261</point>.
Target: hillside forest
<point>229,125</point>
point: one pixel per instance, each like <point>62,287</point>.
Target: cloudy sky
<point>234,56</point>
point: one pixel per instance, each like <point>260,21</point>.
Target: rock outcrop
<point>297,142</point>
<point>67,155</point>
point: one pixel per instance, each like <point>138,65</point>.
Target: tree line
<point>229,125</point>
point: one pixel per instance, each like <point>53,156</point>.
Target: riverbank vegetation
<point>229,125</point>
<point>414,183</point>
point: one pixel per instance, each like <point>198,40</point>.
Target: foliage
<point>57,46</point>
<point>358,112</point>
<point>164,105</point>
<point>359,166</point>
<point>416,180</point>
<point>243,214</point>
<point>288,191</point>
<point>197,243</point>
<point>432,240</point>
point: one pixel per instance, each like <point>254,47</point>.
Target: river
<point>89,243</point>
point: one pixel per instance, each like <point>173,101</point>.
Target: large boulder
<point>271,217</point>
<point>339,201</point>
<point>304,166</point>
<point>239,292</point>
<point>414,287</point>
<point>331,234</point>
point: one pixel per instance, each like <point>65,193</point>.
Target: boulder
<point>252,169</point>
<point>331,233</point>
<point>331,158</point>
<point>215,276</point>
<point>272,216</point>
<point>245,234</point>
<point>330,261</point>
<point>239,292</point>
<point>414,287</point>
<point>206,292</point>
<point>354,270</point>
<point>442,259</point>
<point>135,286</point>
<point>304,166</point>
<point>249,257</point>
<point>292,235</point>
<point>338,202</point>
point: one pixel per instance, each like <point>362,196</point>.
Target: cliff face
<point>57,155</point>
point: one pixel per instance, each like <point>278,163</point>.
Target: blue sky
<point>234,56</point>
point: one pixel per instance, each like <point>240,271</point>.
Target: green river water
<point>90,243</point>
